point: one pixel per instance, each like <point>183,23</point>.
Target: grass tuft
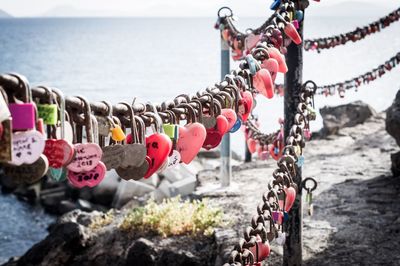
<point>174,217</point>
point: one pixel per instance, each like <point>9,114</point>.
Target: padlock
<point>136,162</point>
<point>59,151</point>
<point>48,112</point>
<point>86,169</point>
<point>117,134</point>
<point>6,130</point>
<point>23,113</point>
<point>158,146</point>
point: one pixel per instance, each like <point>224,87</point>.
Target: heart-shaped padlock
<point>27,173</point>
<point>89,178</point>
<point>291,32</point>
<point>262,81</point>
<point>158,147</point>
<point>231,116</point>
<point>251,145</point>
<point>214,135</point>
<point>261,251</point>
<point>251,41</point>
<point>279,57</point>
<point>87,160</point>
<point>59,152</point>
<point>272,66</point>
<point>27,147</point>
<point>245,105</point>
<point>139,162</point>
<point>191,136</point>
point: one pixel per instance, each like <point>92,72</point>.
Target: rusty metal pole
<point>292,254</point>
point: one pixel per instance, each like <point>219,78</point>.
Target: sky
<point>256,8</point>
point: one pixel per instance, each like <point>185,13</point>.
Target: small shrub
<point>102,220</point>
<point>174,217</point>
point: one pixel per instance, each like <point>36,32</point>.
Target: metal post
<point>247,153</point>
<point>226,167</point>
<point>292,255</point>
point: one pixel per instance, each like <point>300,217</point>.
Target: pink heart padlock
<point>245,105</point>
<point>280,58</point>
<point>251,144</point>
<point>272,66</point>
<point>87,156</point>
<point>58,152</point>
<point>262,81</point>
<point>251,41</point>
<point>158,147</point>
<point>191,139</point>
<point>89,178</point>
<point>230,115</point>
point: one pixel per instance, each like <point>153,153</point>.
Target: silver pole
<point>226,167</point>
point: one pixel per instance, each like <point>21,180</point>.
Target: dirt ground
<point>356,205</point>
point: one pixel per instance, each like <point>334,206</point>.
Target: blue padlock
<point>236,126</point>
<point>275,5</point>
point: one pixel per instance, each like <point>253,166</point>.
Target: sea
<point>156,59</point>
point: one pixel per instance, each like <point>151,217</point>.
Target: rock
<point>51,199</point>
<point>129,189</point>
<point>395,157</point>
<point>141,253</point>
<point>348,115</point>
<point>66,206</point>
<point>178,258</point>
<point>211,154</point>
<point>56,249</point>
<point>393,119</point>
<point>7,183</point>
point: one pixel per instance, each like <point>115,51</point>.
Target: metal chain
<point>354,36</point>
<point>264,226</point>
<point>361,79</point>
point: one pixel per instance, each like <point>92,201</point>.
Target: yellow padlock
<point>117,134</point>
<point>298,150</point>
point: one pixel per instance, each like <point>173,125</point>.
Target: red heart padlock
<point>213,139</point>
<point>245,105</point>
<point>58,152</point>
<point>252,145</point>
<point>272,66</point>
<point>291,32</point>
<point>262,81</point>
<point>190,141</point>
<point>158,147</point>
<point>275,150</point>
<point>214,135</point>
<point>290,198</point>
<point>261,251</point>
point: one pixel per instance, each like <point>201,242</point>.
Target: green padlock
<point>48,112</point>
<point>171,131</point>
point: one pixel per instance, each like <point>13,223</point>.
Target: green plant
<point>102,220</point>
<point>174,217</point>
